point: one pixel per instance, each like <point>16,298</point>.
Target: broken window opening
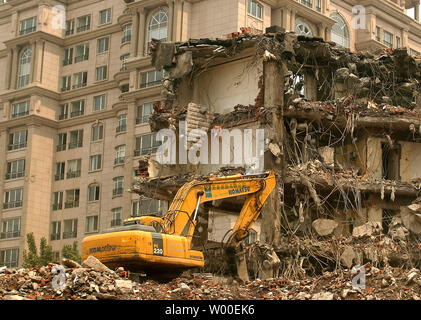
<point>390,161</point>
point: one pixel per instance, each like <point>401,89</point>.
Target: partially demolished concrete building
<point>342,133</point>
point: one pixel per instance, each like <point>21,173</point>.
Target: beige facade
<point>68,76</point>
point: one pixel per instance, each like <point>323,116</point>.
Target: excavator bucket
<point>240,261</point>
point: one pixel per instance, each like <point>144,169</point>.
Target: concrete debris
<point>94,263</point>
<point>324,227</point>
<point>70,263</point>
<point>369,229</point>
<point>348,257</point>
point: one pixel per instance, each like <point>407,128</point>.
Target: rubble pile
<point>92,281</point>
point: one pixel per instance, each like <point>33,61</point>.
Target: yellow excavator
<point>153,244</point>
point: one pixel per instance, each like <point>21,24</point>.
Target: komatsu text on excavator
<point>153,244</point>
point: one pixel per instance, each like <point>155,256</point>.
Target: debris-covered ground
<point>93,281</point>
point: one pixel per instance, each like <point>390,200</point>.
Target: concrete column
<point>33,61</point>
<point>37,57</point>
<point>135,35</point>
<point>178,17</point>
<point>9,68</point>
<point>328,36</point>
<point>286,20</point>
<point>404,38</point>
<point>293,18</point>
<point>170,4</point>
<point>142,32</point>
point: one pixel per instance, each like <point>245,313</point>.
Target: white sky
<point>410,12</point>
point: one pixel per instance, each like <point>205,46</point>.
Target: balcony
<point>75,144</point>
<point>11,205</point>
<point>70,31</point>
<point>141,120</point>
<point>121,128</point>
<point>79,85</point>
<point>75,114</point>
<point>59,176</point>
<point>57,206</point>
<point>61,147</point>
<point>119,160</point>
<point>83,28</point>
<point>69,235</point>
<point>64,89</point>
<point>150,84</point>
<point>81,58</point>
<point>10,234</point>
<point>27,30</point>
<point>145,151</point>
<point>117,191</point>
<point>62,116</point>
<point>16,146</point>
<point>20,114</point>
<point>73,174</point>
<point>126,39</point>
<point>55,236</point>
<point>71,204</point>
<point>14,175</point>
<point>115,222</point>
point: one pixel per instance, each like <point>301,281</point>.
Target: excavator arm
<point>182,214</point>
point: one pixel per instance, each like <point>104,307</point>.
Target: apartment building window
<point>78,108</point>
<point>18,140</point>
<point>70,27</point>
<point>72,199</point>
<point>68,56</point>
<point>398,42</point>
<point>388,39</point>
<point>105,16</point>
<point>127,34</point>
<point>13,198</point>
<point>255,9</point>
<point>66,83</point>
<point>93,193</point>
<point>57,200</point>
<point>118,186</point>
<point>80,79</point>
<point>61,141</point>
<point>146,144</point>
<point>103,44</point>
<point>146,207</point>
<point>9,258</point>
<point>60,169</point>
<point>319,5</point>
<point>378,32</point>
<point>340,32</point>
<point>24,68</point>
<point>308,3</point>
<point>55,230</point>
<point>101,73</point>
<point>82,53</point>
<point>122,123</point>
<point>144,112</point>
<point>116,217</point>
<point>20,109</point>
<point>95,162</point>
<point>28,26</point>
<point>83,23</point>
<point>151,78</point>
<point>303,29</point>
<point>70,229</point>
<point>92,224</point>
<point>10,229</point>
<point>123,60</point>
<point>99,102</point>
<point>73,168</point>
<point>158,26</point>
<point>76,139</point>
<point>15,169</point>
<point>64,111</point>
<point>120,156</point>
<point>97,132</point>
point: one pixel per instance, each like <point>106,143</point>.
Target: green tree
<point>71,252</point>
<point>31,257</point>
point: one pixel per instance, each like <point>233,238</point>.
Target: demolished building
<point>342,133</point>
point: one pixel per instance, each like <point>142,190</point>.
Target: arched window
<point>303,29</point>
<point>158,26</point>
<point>340,31</point>
<point>24,68</point>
